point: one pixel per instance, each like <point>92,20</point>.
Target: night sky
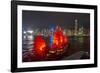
<point>41,19</point>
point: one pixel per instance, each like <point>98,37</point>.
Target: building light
<point>24,32</point>
<point>24,37</point>
<point>30,31</point>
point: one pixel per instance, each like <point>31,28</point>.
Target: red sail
<point>40,47</point>
<point>59,39</point>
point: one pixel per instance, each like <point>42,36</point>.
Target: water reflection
<point>79,43</point>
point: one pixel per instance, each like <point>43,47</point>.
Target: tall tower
<point>76,27</point>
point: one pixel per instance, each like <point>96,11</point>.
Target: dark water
<point>77,44</point>
<point>77,47</point>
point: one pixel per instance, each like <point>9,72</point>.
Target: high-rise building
<point>76,27</point>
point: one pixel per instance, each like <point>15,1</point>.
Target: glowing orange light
<point>42,46</point>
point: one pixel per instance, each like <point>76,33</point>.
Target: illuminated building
<point>76,27</point>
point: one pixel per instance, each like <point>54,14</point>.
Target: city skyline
<point>42,20</point>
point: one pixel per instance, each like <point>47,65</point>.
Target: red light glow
<point>59,40</point>
<point>40,47</point>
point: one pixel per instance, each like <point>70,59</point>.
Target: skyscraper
<point>76,27</point>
